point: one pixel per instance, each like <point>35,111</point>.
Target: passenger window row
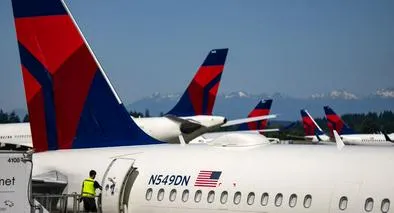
<point>368,205</point>
<point>307,202</point>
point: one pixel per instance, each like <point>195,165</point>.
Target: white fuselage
<point>313,178</point>
<point>161,128</point>
<point>16,133</point>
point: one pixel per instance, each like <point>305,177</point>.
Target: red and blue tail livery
<point>199,97</point>
<point>70,101</point>
<point>261,109</point>
<point>335,122</point>
<point>310,127</point>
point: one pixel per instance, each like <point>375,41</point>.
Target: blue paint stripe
<point>41,74</point>
<point>208,87</point>
<point>216,57</point>
<point>31,8</point>
<point>105,123</point>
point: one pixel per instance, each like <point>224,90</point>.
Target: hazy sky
<point>295,47</point>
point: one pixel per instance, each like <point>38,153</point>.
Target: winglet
<point>199,97</point>
<point>338,140</point>
<point>386,136</point>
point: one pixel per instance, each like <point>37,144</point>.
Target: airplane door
<point>117,183</point>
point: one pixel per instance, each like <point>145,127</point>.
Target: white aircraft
<point>18,133</point>
<point>312,130</point>
<point>74,132</point>
<point>314,133</point>
<point>347,134</point>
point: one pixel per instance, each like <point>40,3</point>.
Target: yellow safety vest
<point>88,189</point>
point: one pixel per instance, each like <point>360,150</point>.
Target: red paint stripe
<point>71,87</point>
<point>36,110</point>
<point>51,39</point>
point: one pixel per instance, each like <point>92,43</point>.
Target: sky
<point>297,48</point>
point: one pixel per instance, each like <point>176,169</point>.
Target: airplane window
<point>148,195</point>
<point>385,205</point>
<point>307,201</point>
<point>293,200</point>
<point>197,196</point>
<point>368,204</point>
<point>160,195</point>
<point>223,197</point>
<point>211,196</point>
<point>251,197</point>
<point>237,198</point>
<point>185,195</point>
<point>264,199</point>
<point>343,203</point>
<point>172,195</point>
<point>278,199</point>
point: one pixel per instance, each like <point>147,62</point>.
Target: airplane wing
<point>186,125</point>
<point>247,120</point>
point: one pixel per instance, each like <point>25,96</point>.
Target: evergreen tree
<point>26,118</point>
<point>13,118</point>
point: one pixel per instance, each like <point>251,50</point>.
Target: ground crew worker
<point>88,193</point>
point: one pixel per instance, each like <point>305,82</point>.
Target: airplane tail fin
<point>335,122</point>
<point>199,97</point>
<point>311,128</point>
<point>70,100</point>
<point>262,108</point>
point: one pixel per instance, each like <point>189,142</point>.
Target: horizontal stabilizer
<point>247,120</point>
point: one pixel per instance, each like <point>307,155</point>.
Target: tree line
<point>12,117</point>
<point>371,122</point>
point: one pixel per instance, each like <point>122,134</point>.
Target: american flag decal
<point>207,178</point>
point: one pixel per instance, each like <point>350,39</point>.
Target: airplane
<point>348,135</point>
<point>312,130</point>
<point>262,108</point>
<point>79,123</point>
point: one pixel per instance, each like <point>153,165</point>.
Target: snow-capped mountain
<point>238,104</point>
<point>335,94</point>
<point>385,93</point>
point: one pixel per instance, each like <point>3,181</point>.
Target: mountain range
<point>238,104</point>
